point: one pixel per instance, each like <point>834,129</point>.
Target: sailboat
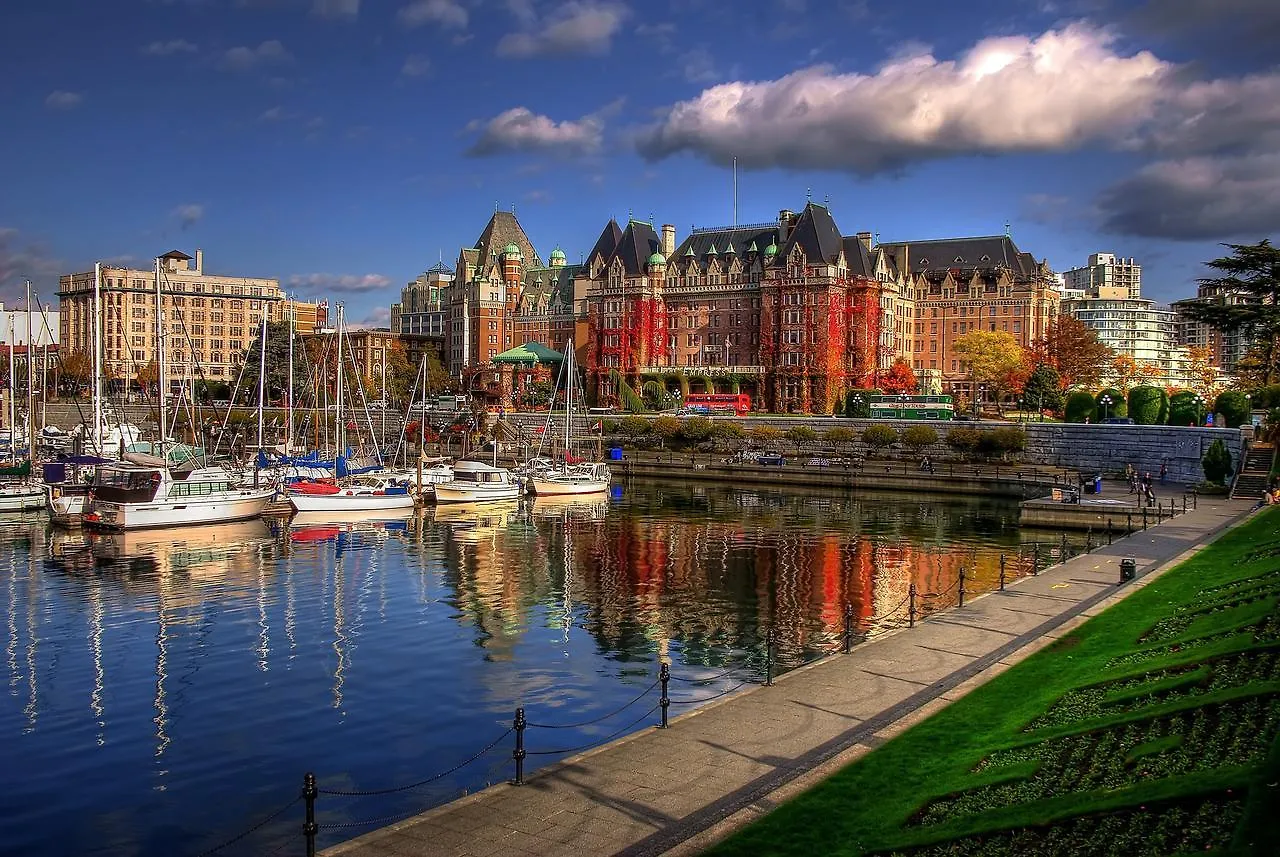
<point>145,491</point>
<point>572,475</point>
<point>368,492</point>
<point>19,496</point>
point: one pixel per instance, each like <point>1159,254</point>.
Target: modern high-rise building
<point>210,319</point>
<point>1106,271</point>
<point>1138,328</point>
<point>1226,348</point>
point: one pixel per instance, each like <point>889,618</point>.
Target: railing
<point>758,668</point>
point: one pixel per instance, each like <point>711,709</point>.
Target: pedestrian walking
<point>1164,471</point>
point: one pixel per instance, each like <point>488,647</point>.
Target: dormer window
<point>959,260</point>
<point>924,263</point>
<point>985,259</point>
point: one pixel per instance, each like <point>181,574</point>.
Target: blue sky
<point>343,145</point>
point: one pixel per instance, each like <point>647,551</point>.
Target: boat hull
<point>174,513</point>
<point>350,502</point>
<point>452,492</point>
<point>21,498</point>
<point>564,487</point>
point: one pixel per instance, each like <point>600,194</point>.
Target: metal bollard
<point>1035,558</point>
<point>1108,531</point>
<point>518,753</point>
<point>1128,523</point>
<point>309,827</point>
<point>1144,517</point>
<point>911,606</point>
<point>664,676</point>
<point>1159,513</point>
<point>1002,572</point>
<point>1062,553</point>
<point>1184,504</point>
<point>1172,512</point>
<point>848,628</point>
<point>768,659</point>
<point>961,604</point>
<point>1195,499</point>
<point>1088,540</point>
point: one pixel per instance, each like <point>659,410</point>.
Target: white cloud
<point>521,130</point>
<point>60,99</point>
<point>169,48</point>
<point>24,259</point>
<point>1057,91</point>
<point>188,214</point>
<point>336,8</point>
<point>272,114</point>
<point>446,13</point>
<point>415,65</point>
<point>270,52</point>
<point>346,283</point>
<point>585,27</point>
<point>1198,198</point>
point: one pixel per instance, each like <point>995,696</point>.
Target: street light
<point>1105,401</point>
<point>1199,400</point>
<point>857,404</point>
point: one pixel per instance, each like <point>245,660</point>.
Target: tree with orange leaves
<point>899,379</point>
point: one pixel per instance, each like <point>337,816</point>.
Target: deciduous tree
<point>1201,371</point>
<point>1127,373</point>
<point>899,379</point>
<point>1073,349</point>
<point>994,358</point>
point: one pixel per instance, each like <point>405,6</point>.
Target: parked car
<point>771,459</point>
<point>1119,421</point>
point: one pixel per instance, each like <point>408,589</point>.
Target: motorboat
<point>477,482</point>
<point>21,496</point>
<point>580,478</point>
<point>140,494</point>
<point>370,492</point>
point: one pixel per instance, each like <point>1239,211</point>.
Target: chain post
<point>518,753</point>
<point>1128,523</point>
<point>961,604</point>
<point>1088,540</point>
<point>1195,499</point>
<point>848,628</point>
<point>1002,572</point>
<point>309,827</point>
<point>1035,558</point>
<point>1109,529</point>
<point>911,606</point>
<point>1184,504</point>
<point>664,676</point>
<point>1144,517</point>
<point>1062,552</point>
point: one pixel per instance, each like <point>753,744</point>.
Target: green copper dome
<point>657,259</point>
<point>771,250</point>
<point>557,255</point>
<point>511,250</point>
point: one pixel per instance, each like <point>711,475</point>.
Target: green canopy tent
<point>529,354</point>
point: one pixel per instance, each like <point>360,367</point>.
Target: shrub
<point>1148,406</point>
<point>609,427</point>
<point>1001,441</point>
<point>919,437</point>
<point>1234,407</point>
<point>696,429</point>
<point>724,430</point>
<point>633,427</point>
<point>766,434</point>
<point>840,434</point>
<point>1217,463</point>
<point>879,436</point>
<point>667,428</point>
<point>857,403</point>
<point>1118,407</point>
<point>1182,408</point>
<point>800,435</point>
<point>963,440</point>
<point>1080,404</point>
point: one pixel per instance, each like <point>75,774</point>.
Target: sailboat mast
<point>161,382</point>
<point>13,405</point>
<point>31,402</point>
<point>262,375</point>
<point>341,429</point>
<point>288,393</point>
<point>568,397</point>
<point>96,434</point>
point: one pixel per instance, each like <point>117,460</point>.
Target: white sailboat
<point>147,491</point>
<point>24,495</point>
<point>477,482</point>
<point>571,476</point>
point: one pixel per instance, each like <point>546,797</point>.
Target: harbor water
<point>166,691</point>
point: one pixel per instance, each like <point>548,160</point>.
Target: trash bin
<point>615,453</point>
<point>1097,484</point>
<point>1088,486</point>
<point>1128,569</point>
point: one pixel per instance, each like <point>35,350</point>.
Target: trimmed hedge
<point>1080,405</point>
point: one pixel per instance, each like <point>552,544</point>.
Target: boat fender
<point>348,493</point>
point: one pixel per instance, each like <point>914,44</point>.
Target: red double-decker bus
<point>718,403</point>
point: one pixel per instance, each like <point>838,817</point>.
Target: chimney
<point>785,219</point>
<point>668,240</point>
<point>864,238</point>
<point>199,261</point>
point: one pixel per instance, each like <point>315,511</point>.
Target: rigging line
<point>642,695</point>
<point>57,356</point>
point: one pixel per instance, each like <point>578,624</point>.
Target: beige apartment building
<point>210,318</point>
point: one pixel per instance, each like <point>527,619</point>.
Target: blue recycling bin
<point>615,453</point>
<point>1097,484</point>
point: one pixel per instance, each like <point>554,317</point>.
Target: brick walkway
<point>676,791</point>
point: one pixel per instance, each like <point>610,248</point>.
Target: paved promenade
<point>678,790</point>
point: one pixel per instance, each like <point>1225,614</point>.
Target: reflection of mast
<point>568,572</point>
<point>290,616</point>
<point>264,640</point>
<point>95,646</point>
<point>162,667</point>
<point>11,650</point>
<point>33,608</point>
<point>339,633</point>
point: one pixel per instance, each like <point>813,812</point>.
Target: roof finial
<point>808,195</point>
<point>496,206</point>
<point>513,209</point>
<point>630,215</point>
<point>876,243</point>
<point>826,200</point>
<point>1006,229</point>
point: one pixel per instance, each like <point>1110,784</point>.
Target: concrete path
<point>678,790</point>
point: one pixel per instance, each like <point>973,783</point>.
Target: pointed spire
<point>752,248</point>
<point>688,254</point>
<point>728,251</point>
<point>712,251</point>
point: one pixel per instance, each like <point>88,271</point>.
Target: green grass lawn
<point>1150,730</point>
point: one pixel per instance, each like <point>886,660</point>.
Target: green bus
<point>902,407</point>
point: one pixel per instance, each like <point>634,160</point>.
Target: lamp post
<point>977,401</point>
<point>857,404</point>
<point>1199,400</point>
<point>1105,401</point>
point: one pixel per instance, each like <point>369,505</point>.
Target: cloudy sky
<point>343,146</point>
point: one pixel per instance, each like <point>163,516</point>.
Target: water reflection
<point>220,663</point>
